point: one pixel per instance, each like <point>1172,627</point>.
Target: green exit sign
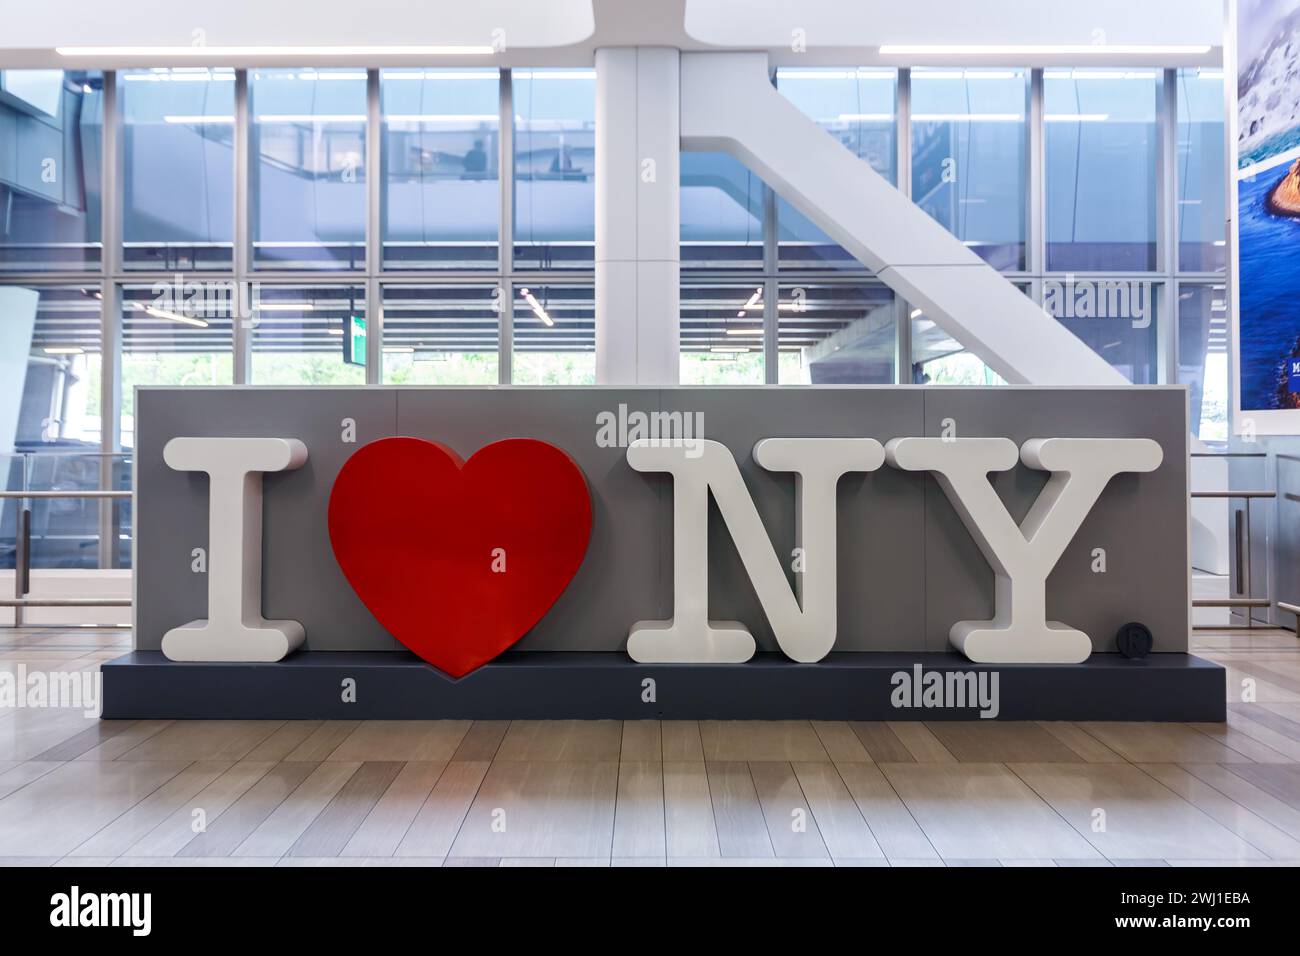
<point>354,341</point>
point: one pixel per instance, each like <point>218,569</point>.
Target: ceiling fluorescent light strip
<point>1041,49</point>
<point>786,73</point>
<point>311,118</point>
<point>751,303</point>
<point>576,74</point>
<point>968,117</point>
<point>312,75</point>
<point>218,52</point>
<point>483,74</point>
<point>188,74</point>
<point>536,307</point>
<point>967,74</point>
<point>200,120</point>
<point>1076,117</point>
<point>172,316</point>
<point>441,118</point>
<point>1098,74</point>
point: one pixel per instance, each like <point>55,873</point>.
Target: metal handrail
<point>1241,540</point>
<point>67,453</point>
<point>1234,494</point>
<point>1232,602</point>
<point>65,602</point>
<point>23,555</point>
<point>66,494</point>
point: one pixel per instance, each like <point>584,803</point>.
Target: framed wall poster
<point>1266,353</point>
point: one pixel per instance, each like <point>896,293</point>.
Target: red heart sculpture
<point>457,560</point>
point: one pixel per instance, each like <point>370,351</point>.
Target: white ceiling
<point>872,22</point>
<point>566,32</point>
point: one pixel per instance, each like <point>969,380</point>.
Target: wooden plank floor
<point>75,790</point>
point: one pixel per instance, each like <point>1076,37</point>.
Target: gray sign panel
<point>907,567</point>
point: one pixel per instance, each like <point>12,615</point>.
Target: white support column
<point>110,305</point>
<point>638,225</point>
<point>242,319</point>
<point>374,311</point>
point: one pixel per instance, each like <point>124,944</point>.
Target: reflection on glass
<point>1203,357</point>
<point>857,107</point>
<point>175,335</point>
<point>178,168</point>
<point>836,334</point>
<point>969,157</point>
<point>308,171</point>
<point>1116,318</point>
<point>308,335</point>
<point>555,168</point>
<point>55,404</point>
<point>51,128</point>
<point>441,168</point>
<point>50,422</point>
<point>939,359</point>
<point>65,531</point>
<point>721,213</point>
<point>1101,169</point>
<point>722,334</point>
<point>441,335</point>
<point>1202,246</point>
<point>554,335</point>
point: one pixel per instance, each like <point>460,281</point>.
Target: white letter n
<point>806,633</point>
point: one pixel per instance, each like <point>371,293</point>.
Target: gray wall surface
<point>908,569</point>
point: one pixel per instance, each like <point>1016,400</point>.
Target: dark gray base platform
<point>532,685</point>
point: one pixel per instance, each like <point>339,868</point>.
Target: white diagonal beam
<point>729,104</point>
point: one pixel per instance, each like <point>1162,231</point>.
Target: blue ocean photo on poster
<point>1270,290</point>
<point>1268,202</point>
<point>1268,79</point>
